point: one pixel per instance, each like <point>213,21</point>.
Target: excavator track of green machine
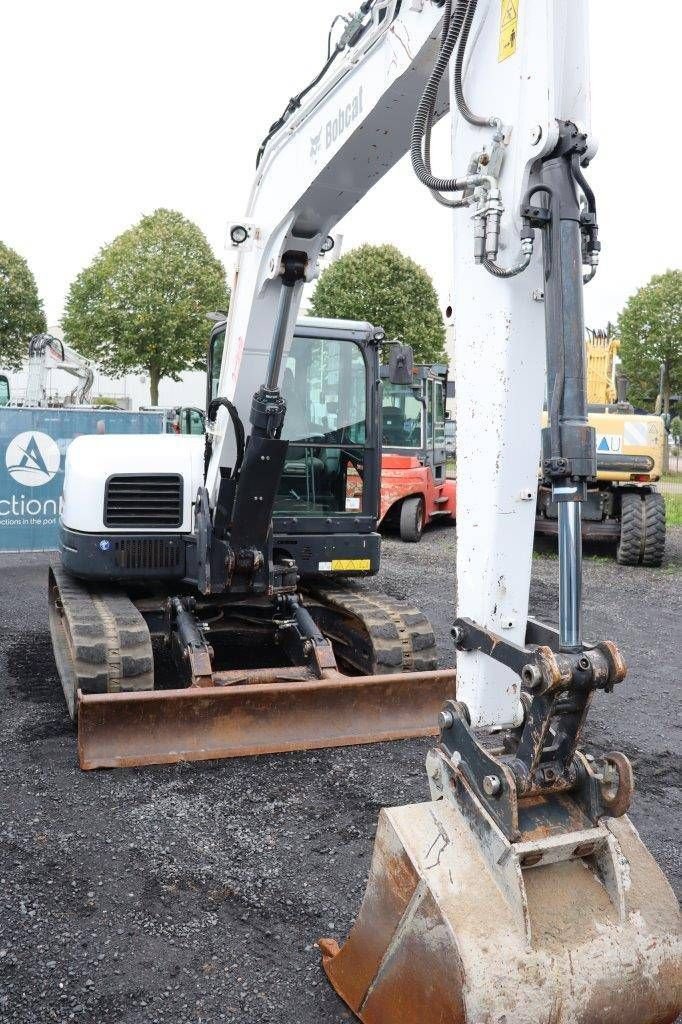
<point>373,633</point>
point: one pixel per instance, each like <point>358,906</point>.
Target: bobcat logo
<point>345,116</point>
<point>315,144</point>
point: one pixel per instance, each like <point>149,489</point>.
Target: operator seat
<point>393,426</point>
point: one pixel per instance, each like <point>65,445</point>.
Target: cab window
<point>214,362</point>
<point>324,384</point>
<point>438,414</point>
<point>401,411</point>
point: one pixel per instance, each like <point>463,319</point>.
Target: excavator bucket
<point>266,712</point>
<point>446,935</point>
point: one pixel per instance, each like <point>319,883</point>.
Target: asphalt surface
<point>195,893</point>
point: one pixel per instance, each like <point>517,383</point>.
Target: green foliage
<point>141,305</point>
<point>676,429</point>
<point>21,311</point>
<point>673,508</point>
<point>379,284</point>
<point>650,329</point>
<point>105,402</point>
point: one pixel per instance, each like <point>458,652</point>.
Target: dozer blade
<point>439,940</point>
<point>119,730</point>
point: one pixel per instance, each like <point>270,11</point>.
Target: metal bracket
<point>192,655</point>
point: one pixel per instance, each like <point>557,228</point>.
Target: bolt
<point>535,135</point>
<point>584,663</point>
<point>491,785</point>
<point>457,634</point>
<point>531,675</point>
<point>446,719</point>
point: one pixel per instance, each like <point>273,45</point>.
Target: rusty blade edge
<point>98,713</point>
<point>89,762</point>
<point>320,686</point>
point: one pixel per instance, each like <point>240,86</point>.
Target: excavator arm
<point>496,900</point>
<point>314,168</point>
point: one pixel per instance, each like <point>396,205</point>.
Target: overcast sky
<point>111,109</point>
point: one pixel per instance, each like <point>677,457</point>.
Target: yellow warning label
<point>509,18</point>
<point>344,564</point>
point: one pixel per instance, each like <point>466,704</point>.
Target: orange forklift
<point>415,489</point>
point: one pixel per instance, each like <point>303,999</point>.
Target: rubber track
<point>397,636</point>
<point>108,641</point>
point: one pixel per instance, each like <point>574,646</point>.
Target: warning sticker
<point>345,565</point>
<point>509,17</point>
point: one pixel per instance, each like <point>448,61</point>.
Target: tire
<point>654,536</point>
<point>631,546</point>
<point>412,519</point>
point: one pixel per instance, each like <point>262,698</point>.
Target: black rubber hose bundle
<point>237,426</point>
<point>462,105</point>
<point>427,104</point>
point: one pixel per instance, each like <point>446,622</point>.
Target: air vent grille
<point>143,502</point>
<point>147,553</point>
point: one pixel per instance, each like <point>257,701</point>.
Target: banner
<point>33,444</point>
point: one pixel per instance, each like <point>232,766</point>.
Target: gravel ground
<point>196,892</point>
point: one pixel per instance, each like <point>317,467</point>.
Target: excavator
<point>46,352</point>
<point>622,504</point>
<point>520,892</point>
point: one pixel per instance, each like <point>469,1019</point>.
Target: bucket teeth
<point>436,939</point>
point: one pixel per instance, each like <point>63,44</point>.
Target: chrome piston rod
<point>570,575</point>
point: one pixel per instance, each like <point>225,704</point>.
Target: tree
<point>21,310</point>
<point>141,305</point>
<point>676,430</point>
<point>378,283</point>
<point>650,329</point>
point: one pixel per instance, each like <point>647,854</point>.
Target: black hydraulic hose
<point>462,105</point>
<point>584,184</point>
<point>451,203</point>
<point>237,426</point>
<point>427,104</point>
<point>294,103</point>
<point>497,271</point>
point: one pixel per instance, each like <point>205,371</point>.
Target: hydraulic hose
<point>237,426</point>
<point>498,271</point>
<point>427,104</point>
<point>462,105</point>
<point>450,203</point>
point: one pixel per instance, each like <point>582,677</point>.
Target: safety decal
<point>345,565</point>
<point>509,18</point>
